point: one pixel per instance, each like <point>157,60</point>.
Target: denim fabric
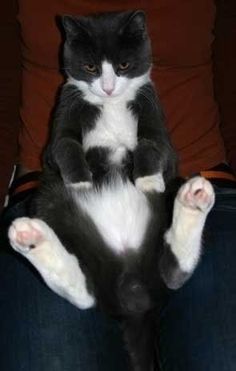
<point>39,331</point>
<point>198,327</point>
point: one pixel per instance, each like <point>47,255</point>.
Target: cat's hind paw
<point>25,234</point>
<point>197,193</point>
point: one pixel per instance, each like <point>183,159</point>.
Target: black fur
<point>116,37</point>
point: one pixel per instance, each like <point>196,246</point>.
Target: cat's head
<point>107,54</point>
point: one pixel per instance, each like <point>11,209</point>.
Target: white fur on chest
<point>115,129</point>
<point>121,213</point>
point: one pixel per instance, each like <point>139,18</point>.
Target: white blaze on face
<point>110,87</point>
<point>108,78</point>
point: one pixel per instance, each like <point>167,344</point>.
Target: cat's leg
<point>37,242</point>
<point>70,158</point>
<point>192,204</point>
<point>148,174</point>
<point>154,158</point>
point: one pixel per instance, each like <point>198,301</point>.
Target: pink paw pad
<point>197,193</point>
<point>29,237</point>
<point>24,234</point>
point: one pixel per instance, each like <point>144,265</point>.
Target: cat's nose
<point>108,91</point>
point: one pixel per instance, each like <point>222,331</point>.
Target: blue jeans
<point>39,331</point>
<point>198,328</point>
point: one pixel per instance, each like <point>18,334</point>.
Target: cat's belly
<point>121,213</point>
<point>115,129</point>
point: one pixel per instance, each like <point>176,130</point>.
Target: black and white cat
<point>100,231</point>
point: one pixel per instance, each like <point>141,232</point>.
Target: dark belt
<point>220,178</point>
<point>215,174</point>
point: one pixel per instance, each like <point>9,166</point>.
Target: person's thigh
<point>198,327</point>
<point>39,331</point>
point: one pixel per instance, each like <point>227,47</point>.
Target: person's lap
<point>42,332</point>
<point>198,328</point>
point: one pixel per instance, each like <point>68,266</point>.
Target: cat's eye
<point>91,68</point>
<point>124,66</point>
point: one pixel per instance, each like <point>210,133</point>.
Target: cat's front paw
<point>25,234</point>
<point>197,193</point>
<point>151,183</point>
<point>80,186</point>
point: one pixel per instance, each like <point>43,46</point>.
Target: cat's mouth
<point>107,95</point>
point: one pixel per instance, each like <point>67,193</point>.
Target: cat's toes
<point>151,183</point>
<point>25,234</point>
<point>197,193</point>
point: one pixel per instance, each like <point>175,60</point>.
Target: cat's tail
<point>140,336</point>
<point>140,322</point>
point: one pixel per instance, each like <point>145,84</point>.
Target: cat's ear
<point>136,24</point>
<point>73,27</point>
